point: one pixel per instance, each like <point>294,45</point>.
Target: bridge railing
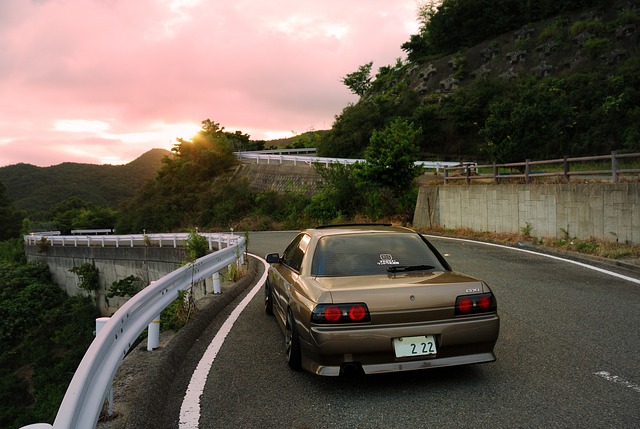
<point>216,241</point>
<point>276,157</point>
<point>85,396</point>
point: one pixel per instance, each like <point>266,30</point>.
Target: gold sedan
<point>376,298</point>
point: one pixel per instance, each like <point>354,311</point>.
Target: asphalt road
<point>567,357</point>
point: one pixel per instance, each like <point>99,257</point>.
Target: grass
<point>591,247</point>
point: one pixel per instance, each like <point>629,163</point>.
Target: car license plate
<point>415,346</point>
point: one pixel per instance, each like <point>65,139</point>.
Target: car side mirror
<point>273,258</point>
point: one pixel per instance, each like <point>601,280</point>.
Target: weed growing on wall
<point>88,276</point>
<point>129,286</point>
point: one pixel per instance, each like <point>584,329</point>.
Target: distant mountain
<point>39,188</point>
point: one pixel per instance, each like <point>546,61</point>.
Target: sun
<point>172,131</point>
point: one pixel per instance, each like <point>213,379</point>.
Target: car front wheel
<point>292,343</point>
<point>268,299</point>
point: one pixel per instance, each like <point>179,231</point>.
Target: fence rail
<point>470,173</point>
<point>278,157</point>
<point>216,241</point>
<point>86,393</point>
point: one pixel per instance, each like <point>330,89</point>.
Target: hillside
<point>39,188</point>
<point>570,43</point>
<point>567,83</point>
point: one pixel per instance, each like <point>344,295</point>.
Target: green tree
<point>340,198</point>
<point>94,218</point>
<point>536,124</point>
<point>359,81</point>
<point>391,156</point>
<point>43,336</point>
<point>454,24</point>
<point>351,131</point>
<point>75,213</point>
<point>197,245</point>
<point>185,185</point>
<point>65,213</point>
<point>10,218</point>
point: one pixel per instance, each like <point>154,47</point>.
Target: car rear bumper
<point>407,366</point>
<point>459,342</point>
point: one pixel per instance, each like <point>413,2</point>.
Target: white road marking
<point>604,374</point>
<point>590,267</point>
<point>190,409</point>
<point>615,379</point>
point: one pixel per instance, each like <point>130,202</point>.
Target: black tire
<point>268,299</point>
<point>292,343</point>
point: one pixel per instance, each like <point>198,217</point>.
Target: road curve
<point>567,356</point>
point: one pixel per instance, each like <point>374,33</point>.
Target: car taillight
<point>341,313</point>
<point>332,313</point>
<point>473,304</point>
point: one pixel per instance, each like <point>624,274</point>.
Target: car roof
<point>356,228</point>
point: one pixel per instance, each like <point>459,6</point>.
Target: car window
<point>296,250</point>
<point>368,254</point>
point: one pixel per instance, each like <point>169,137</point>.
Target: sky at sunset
<point>103,81</point>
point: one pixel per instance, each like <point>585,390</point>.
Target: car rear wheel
<point>268,299</point>
<point>292,343</point>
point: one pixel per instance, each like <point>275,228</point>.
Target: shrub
<point>129,286</point>
<point>88,275</point>
<point>197,245</point>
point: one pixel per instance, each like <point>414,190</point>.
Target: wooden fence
<point>561,167</point>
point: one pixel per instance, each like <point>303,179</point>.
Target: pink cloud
<point>262,67</point>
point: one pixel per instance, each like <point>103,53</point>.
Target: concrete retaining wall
<point>280,177</point>
<point>606,211</point>
<point>113,264</point>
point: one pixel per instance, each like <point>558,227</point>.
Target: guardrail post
<point>614,166</point>
<point>527,171</point>
<point>100,323</point>
<point>567,176</point>
<point>495,173</point>
<point>153,335</point>
<point>216,283</point>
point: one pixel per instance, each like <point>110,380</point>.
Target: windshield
<point>369,254</point>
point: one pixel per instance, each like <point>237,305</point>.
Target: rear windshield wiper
<point>398,268</point>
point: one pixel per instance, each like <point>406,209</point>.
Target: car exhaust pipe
<point>351,369</point>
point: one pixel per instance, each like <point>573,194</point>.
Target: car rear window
<point>369,254</point>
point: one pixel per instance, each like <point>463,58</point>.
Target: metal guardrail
<point>92,231</point>
<point>85,396</point>
<point>296,151</point>
<point>280,157</point>
<point>471,173</point>
<point>131,240</point>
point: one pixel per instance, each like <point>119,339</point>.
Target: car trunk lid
<point>404,297</point>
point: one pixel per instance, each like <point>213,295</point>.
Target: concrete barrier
<point>605,211</point>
